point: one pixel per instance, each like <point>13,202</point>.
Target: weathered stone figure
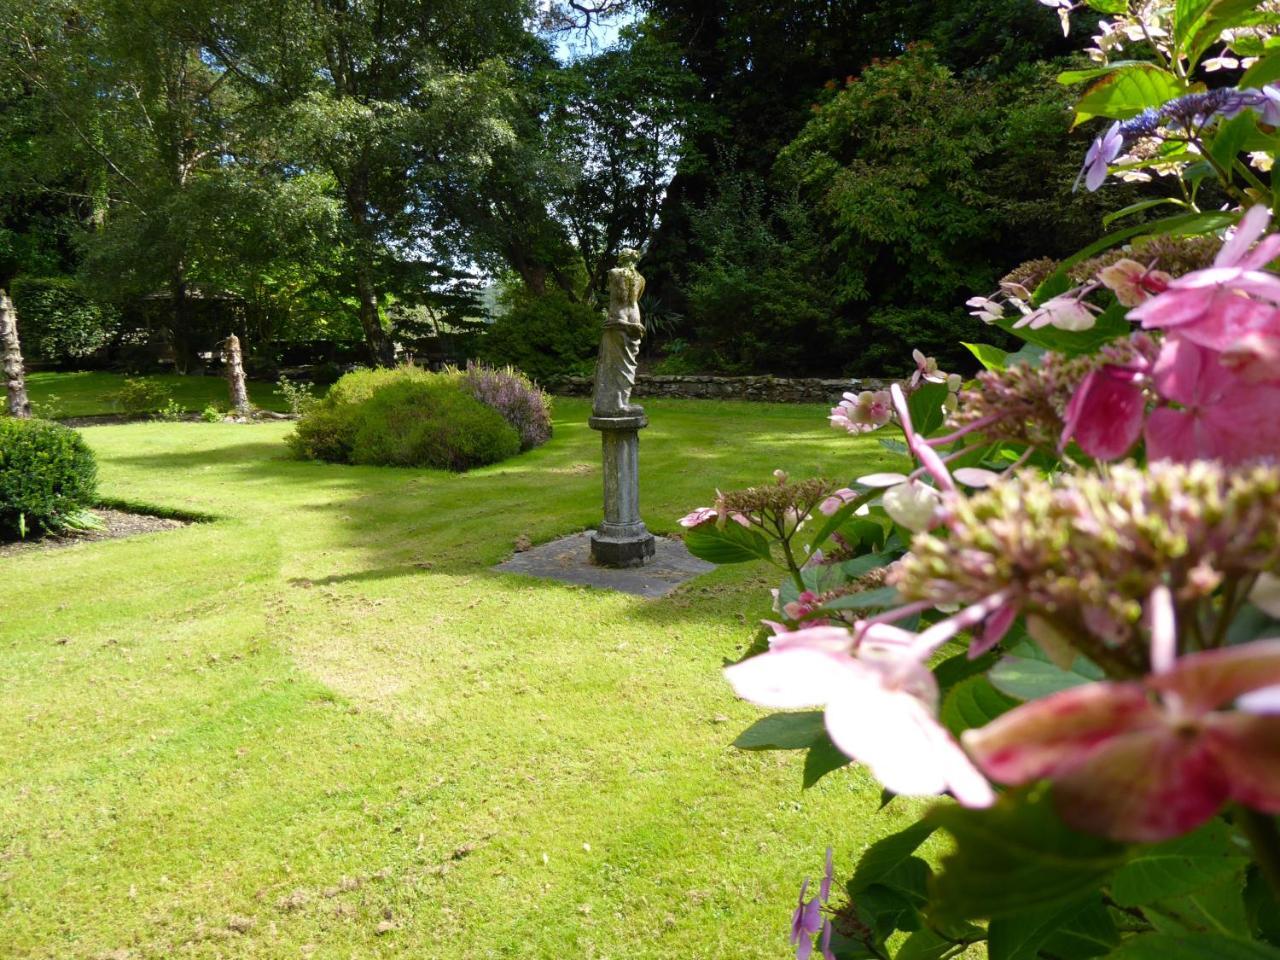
<point>620,342</point>
<point>621,540</point>
<point>15,382</point>
<point>235,377</point>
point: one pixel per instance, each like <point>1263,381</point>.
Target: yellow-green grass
<point>92,393</point>
<point>323,715</point>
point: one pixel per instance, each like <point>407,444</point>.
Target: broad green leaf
<point>1027,678</point>
<point>959,667</point>
<point>1071,77</point>
<point>973,702</point>
<point>1220,15</point>
<point>1188,16</point>
<point>1017,855</point>
<point>1177,867</point>
<point>868,599</point>
<point>837,519</point>
<point>1182,224</point>
<point>925,407</point>
<point>992,358</point>
<point>861,566</point>
<point>1218,908</point>
<point>1266,70</point>
<point>1109,6</point>
<point>924,944</point>
<point>1022,935</point>
<point>783,731</point>
<point>885,910</point>
<point>883,856</point>
<point>1138,207</point>
<point>733,543</point>
<point>1164,946</point>
<point>895,446</point>
<point>823,757</point>
<point>1127,92</point>
<point>1230,137</point>
<point>1090,933</point>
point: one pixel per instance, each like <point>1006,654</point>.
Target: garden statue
<point>622,539</point>
<point>14,380</point>
<point>620,343</point>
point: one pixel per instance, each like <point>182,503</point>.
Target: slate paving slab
<point>569,559</point>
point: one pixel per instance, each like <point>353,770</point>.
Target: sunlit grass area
<point>92,393</point>
<point>322,726</point>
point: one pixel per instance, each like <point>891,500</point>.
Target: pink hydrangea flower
<point>862,412</point>
<point>1233,302</point>
<point>880,704</point>
<point>1132,283</point>
<point>1148,760</point>
<point>698,517</point>
<point>926,370</point>
<point>1106,412</point>
<point>1222,417</point>
<point>1065,312</point>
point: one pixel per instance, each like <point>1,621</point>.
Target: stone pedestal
<point>622,539</point>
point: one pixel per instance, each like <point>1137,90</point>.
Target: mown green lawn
<point>87,394</point>
<point>268,735</point>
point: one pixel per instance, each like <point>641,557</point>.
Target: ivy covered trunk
<point>235,377</point>
<point>14,381</point>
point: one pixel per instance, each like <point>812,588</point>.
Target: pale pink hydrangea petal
<point>913,504</point>
<point>976,476</point>
<point>906,749</point>
<point>882,479</point>
<point>1266,700</point>
<point>790,678</point>
<point>1252,225</point>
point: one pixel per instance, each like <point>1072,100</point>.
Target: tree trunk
<point>235,377</point>
<point>381,350</point>
<point>15,381</point>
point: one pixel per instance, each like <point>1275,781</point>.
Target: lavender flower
<point>514,396</point>
<point>1188,114</point>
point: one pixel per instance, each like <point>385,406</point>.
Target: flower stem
<point>1260,829</point>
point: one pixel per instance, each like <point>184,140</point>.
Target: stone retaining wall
<point>764,389</point>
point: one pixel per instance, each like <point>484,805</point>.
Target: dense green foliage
<point>47,475</point>
<point>404,417</point>
<point>58,322</point>
<point>545,337</point>
<point>260,167</point>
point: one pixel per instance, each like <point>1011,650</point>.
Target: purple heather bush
<point>524,405</point>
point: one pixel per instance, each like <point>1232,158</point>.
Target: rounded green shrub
<point>405,417</point>
<point>47,474</point>
<point>430,424</point>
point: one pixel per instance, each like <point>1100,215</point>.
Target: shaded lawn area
<point>324,716</point>
<point>90,393</point>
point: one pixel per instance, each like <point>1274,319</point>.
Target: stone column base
<point>622,552</point>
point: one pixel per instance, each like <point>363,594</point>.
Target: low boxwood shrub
<point>47,476</point>
<point>430,424</point>
<point>404,417</point>
<point>141,395</point>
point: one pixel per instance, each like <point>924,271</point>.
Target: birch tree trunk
<point>15,382</point>
<point>235,377</point>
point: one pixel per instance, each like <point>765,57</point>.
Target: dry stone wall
<point>762,389</point>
